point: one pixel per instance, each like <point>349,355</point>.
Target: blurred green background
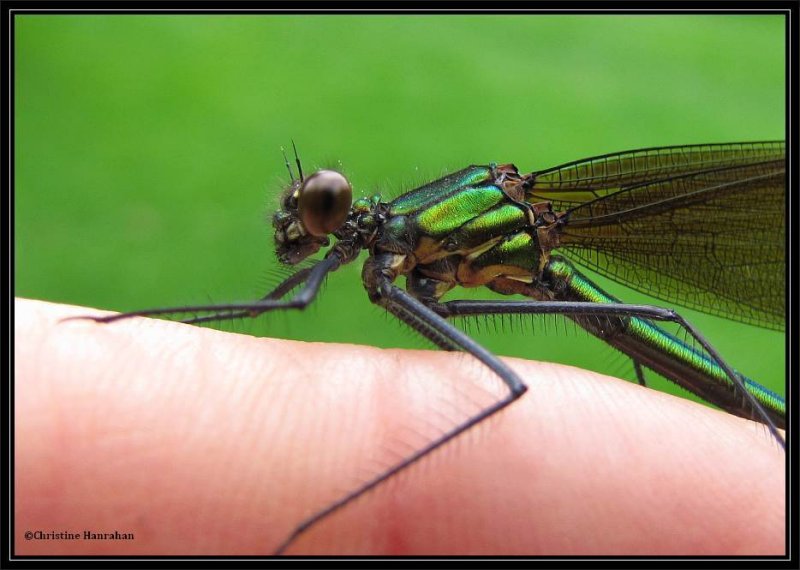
<point>148,147</point>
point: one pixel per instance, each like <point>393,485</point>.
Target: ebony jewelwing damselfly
<point>697,225</point>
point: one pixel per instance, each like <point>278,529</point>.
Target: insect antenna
<point>297,161</point>
<point>286,162</point>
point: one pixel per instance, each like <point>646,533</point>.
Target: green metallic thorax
<point>464,229</point>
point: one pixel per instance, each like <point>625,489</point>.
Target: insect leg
<point>637,368</point>
<point>311,278</point>
<point>422,319</point>
<point>620,310</point>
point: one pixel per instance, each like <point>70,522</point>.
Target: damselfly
<point>647,218</point>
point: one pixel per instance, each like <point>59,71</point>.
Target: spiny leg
<point>311,278</point>
<point>571,308</point>
<point>279,292</point>
<point>425,321</point>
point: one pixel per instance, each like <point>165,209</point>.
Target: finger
<point>201,442</point>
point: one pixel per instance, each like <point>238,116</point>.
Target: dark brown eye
<point>324,202</point>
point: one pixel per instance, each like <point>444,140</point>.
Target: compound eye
<point>324,202</point>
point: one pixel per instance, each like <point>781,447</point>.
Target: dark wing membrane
<point>580,181</point>
<point>711,240</point>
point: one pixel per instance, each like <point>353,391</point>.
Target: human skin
<point>200,442</point>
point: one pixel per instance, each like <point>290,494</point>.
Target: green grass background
<point>148,147</point>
